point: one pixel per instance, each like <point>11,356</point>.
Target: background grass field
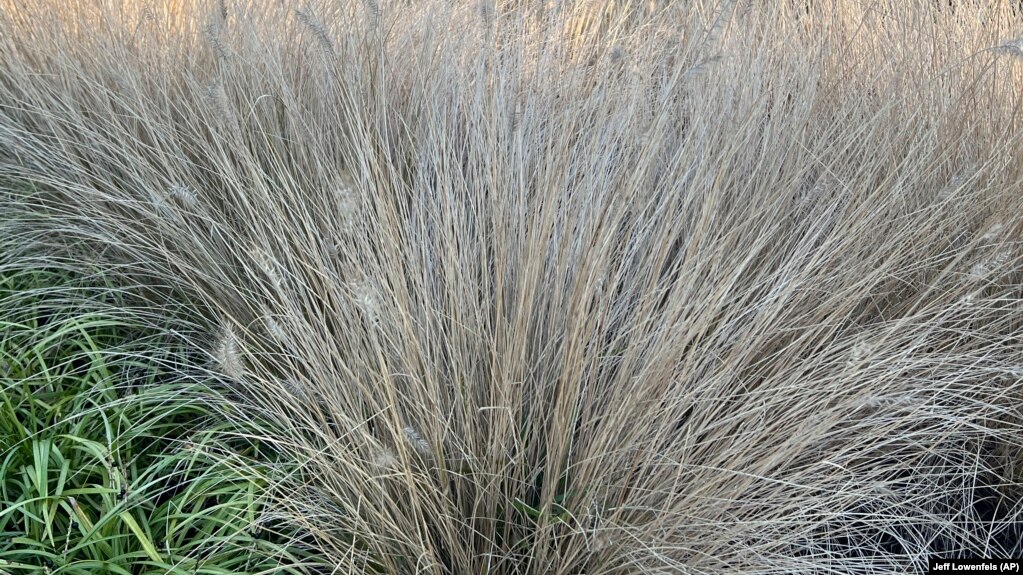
<point>510,287</point>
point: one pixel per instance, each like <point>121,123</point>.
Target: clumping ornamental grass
<point>568,287</point>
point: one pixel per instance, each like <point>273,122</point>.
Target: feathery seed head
<point>415,439</point>
<point>617,54</point>
<point>969,299</point>
<point>599,539</point>
<point>334,249</point>
<point>486,11</point>
<point>323,38</point>
<point>346,203</point>
<point>169,203</point>
<point>212,32</point>
<point>991,263</point>
<point>1001,257</point>
<point>146,15</point>
<point>276,330</point>
<point>269,266</point>
<point>368,300</point>
<point>347,211</point>
<point>222,11</point>
<point>218,98</point>
<point>295,388</point>
<point>878,401</point>
<point>159,201</point>
<point>979,270</point>
<point>228,354</point>
<point>955,183</point>
<point>384,459</point>
<point>183,195</point>
<point>993,233</point>
<point>859,353</point>
<point>373,7</point>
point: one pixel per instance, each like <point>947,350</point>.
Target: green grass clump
<point>109,463</point>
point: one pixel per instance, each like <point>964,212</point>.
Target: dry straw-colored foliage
<point>564,287</point>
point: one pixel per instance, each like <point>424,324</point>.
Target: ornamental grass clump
<point>658,287</point>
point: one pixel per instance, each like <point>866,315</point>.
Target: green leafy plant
<point>111,462</point>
